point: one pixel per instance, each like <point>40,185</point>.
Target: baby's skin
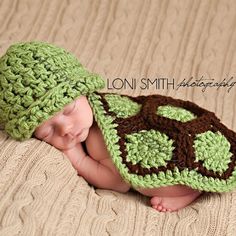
<point>66,131</point>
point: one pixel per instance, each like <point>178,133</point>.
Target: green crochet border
<point>186,177</point>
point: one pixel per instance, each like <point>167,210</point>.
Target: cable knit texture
<point>168,141</point>
<point>40,192</point>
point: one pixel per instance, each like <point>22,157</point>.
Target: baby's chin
<point>81,138</point>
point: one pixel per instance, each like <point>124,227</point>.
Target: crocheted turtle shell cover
<point>157,141</point>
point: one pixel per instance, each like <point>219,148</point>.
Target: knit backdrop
<point>40,192</point>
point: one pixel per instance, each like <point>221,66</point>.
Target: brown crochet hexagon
<point>183,133</point>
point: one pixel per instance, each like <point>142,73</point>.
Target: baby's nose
<point>64,128</point>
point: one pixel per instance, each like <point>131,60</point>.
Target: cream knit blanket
<point>40,192</point>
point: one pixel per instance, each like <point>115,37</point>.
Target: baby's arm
<point>94,172</point>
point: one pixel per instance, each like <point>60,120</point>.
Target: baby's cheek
<point>61,143</point>
<point>38,136</point>
<point>51,140</point>
<point>55,141</point>
<point>88,117</point>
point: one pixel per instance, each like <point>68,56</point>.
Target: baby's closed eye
<point>69,109</point>
<point>45,132</point>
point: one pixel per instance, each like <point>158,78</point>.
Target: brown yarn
<point>183,133</point>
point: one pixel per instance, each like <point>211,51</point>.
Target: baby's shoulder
<point>95,144</point>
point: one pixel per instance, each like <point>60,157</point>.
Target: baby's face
<point>69,126</point>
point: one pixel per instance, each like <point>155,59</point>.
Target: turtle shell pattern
<point>157,141</point>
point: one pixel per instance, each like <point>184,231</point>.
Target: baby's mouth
<point>71,137</point>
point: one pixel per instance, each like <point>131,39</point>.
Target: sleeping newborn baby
<point>168,149</point>
<point>73,125</point>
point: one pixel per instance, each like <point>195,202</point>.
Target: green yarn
<point>187,177</point>
<point>37,80</point>
<point>214,150</point>
<point>149,148</point>
<point>175,113</point>
<point>122,106</point>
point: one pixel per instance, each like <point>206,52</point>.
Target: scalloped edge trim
<point>190,178</point>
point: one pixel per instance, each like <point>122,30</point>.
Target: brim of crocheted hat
<point>23,126</point>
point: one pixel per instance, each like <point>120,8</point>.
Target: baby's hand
<point>75,155</point>
<point>94,172</point>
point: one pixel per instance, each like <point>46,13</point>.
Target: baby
<point>156,145</point>
<point>74,125</point>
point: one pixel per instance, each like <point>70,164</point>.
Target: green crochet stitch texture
<point>189,177</point>
<point>123,107</point>
<point>149,148</point>
<point>208,145</point>
<point>37,80</point>
<point>175,113</point>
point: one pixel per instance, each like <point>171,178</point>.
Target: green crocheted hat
<point>37,80</point>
